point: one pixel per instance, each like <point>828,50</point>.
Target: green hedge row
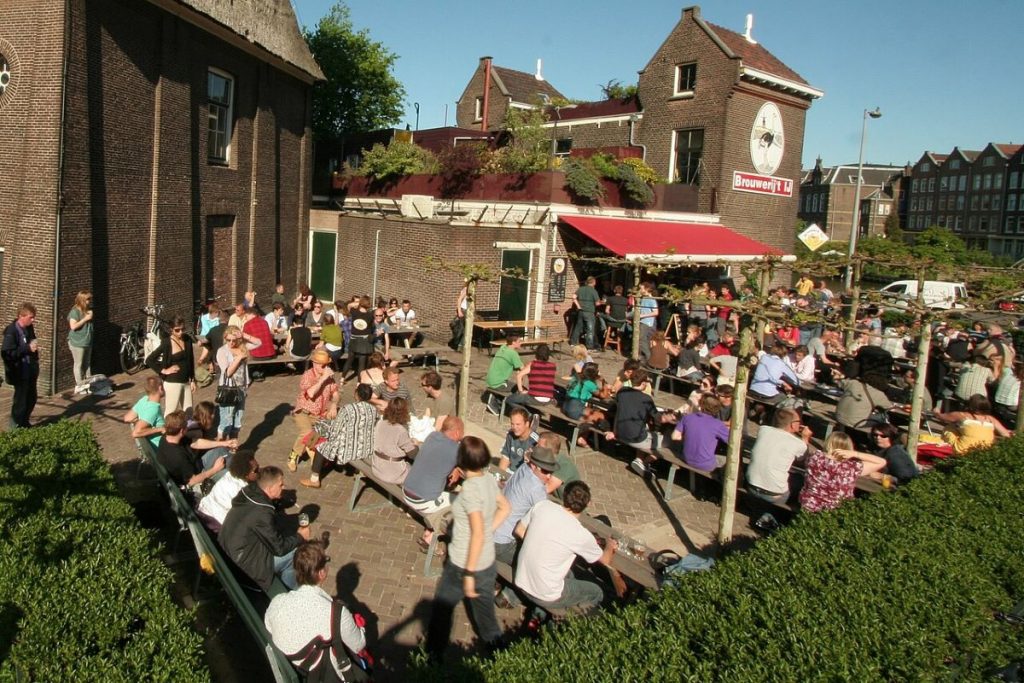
<point>83,595</point>
<point>900,586</point>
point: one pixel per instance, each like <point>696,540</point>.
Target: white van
<point>937,293</point>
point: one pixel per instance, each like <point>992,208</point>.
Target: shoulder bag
<point>229,395</point>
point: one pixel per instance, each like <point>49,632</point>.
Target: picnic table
<point>524,327</point>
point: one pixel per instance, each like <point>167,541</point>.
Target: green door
<point>514,292</point>
<point>322,249</point>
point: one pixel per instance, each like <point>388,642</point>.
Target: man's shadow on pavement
<point>272,419</point>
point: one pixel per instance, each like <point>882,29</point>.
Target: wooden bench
<point>279,359</point>
<point>532,343</point>
<point>209,552</point>
<point>364,478</point>
<point>422,353</point>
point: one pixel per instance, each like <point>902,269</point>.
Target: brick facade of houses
<point>144,215</point>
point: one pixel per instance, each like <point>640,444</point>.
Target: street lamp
<point>416,106</point>
<point>855,228</point>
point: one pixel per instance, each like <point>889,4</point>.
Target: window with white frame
<point>563,146</point>
<point>988,161</point>
<point>997,201</point>
<point>689,150</point>
<point>986,182</point>
<point>954,164</point>
<point>478,109</point>
<point>220,91</point>
<point>931,184</point>
<point>977,181</point>
<point>925,167</point>
<point>685,79</point>
<point>943,183</point>
<point>997,180</point>
<point>1013,180</point>
<point>963,182</point>
<point>1011,202</point>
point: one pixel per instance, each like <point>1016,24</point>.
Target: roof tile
<point>524,87</point>
<point>755,55</point>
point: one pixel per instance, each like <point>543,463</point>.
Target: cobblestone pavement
<point>375,562</point>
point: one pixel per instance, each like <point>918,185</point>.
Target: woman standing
<point>80,337</point>
<point>360,345</point>
<point>317,400</point>
<point>392,445</point>
<point>233,363</point>
<point>470,571</point>
<point>832,474</point>
<point>174,362</point>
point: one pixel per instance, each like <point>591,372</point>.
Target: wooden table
<point>525,326</point>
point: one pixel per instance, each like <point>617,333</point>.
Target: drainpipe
<point>487,92</point>
<point>633,120</point>
<point>60,190</point>
<point>376,256</point>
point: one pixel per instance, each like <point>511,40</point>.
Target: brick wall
<point>31,39</point>
<point>593,135</point>
<point>465,108</point>
<point>140,203</point>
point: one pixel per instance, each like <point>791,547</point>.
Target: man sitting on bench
<point>431,473</point>
<point>552,538</point>
<point>503,372</point>
<point>521,437</point>
<point>774,452</point>
<point>250,537</point>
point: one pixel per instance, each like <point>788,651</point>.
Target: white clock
<point>767,142</point>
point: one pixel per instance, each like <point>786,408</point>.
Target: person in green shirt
<point>586,300</point>
<point>503,373</point>
<point>80,338</point>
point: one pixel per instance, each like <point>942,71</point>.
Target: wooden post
<point>634,351</point>
<point>851,318</point>
<point>467,349</point>
<point>736,425</point>
<point>923,347</point>
<point>738,421</point>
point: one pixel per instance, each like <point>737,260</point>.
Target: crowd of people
<point>522,508</point>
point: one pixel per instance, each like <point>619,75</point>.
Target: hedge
<point>899,586</point>
<point>83,595</point>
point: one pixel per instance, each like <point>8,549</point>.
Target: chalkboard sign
<point>556,284</point>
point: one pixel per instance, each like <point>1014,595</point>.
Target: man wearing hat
<point>527,487</point>
<point>317,400</point>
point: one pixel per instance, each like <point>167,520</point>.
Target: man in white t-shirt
<point>773,454</point>
<point>553,537</point>
<point>242,471</point>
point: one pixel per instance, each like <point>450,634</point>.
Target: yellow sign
<point>813,237</point>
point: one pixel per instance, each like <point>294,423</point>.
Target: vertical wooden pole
<point>467,349</point>
<point>923,347</point>
<point>851,318</point>
<point>737,423</point>
<point>634,351</point>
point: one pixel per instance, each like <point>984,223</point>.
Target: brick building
<point>976,194</point>
<point>827,198</point>
<point>155,151</point>
<point>714,110</point>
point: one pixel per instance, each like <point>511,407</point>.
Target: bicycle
<point>137,343</point>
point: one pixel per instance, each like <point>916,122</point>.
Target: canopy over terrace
<point>638,239</point>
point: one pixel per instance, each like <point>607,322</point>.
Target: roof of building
<point>270,24</point>
<point>754,55</point>
<point>1007,149</point>
<point>521,86</point>
<point>847,174</point>
<point>587,110</point>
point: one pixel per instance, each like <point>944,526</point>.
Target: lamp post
<point>416,106</point>
<point>855,228</point>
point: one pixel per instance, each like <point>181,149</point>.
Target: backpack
<point>314,660</point>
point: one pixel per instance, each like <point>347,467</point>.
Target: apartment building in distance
<point>827,198</point>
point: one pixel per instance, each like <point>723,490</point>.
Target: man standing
<point>20,351</point>
<point>503,373</point>
<point>553,537</point>
<point>430,474</point>
<point>586,299</point>
<point>250,537</point>
<point>648,318</point>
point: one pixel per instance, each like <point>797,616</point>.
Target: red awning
<point>635,238</point>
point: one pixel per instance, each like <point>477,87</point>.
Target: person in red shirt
<point>727,345</point>
<point>256,326</point>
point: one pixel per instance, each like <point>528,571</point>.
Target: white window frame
<point>220,119</point>
<point>677,73</point>
<point>673,159</point>
<point>478,109</point>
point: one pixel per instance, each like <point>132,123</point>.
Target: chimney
<point>538,75</point>
<point>750,27</point>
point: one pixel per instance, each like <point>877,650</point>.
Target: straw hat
<point>321,357</point>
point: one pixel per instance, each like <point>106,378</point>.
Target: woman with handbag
<point>233,383</point>
<point>174,362</point>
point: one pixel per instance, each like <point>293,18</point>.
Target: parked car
<point>1012,303</point>
<point>937,294</point>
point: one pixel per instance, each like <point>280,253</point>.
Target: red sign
<point>762,184</point>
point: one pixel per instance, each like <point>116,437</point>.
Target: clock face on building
<point>766,139</point>
<point>5,74</point>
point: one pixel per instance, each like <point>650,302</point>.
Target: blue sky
<point>944,72</point>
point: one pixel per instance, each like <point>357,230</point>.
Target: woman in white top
<point>233,363</point>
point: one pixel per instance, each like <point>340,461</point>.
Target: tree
<point>614,90</point>
<point>892,226</point>
<point>361,93</point>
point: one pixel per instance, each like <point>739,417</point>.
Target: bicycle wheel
<point>131,356</point>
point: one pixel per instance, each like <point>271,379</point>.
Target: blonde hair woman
<point>233,363</point>
<point>80,336</point>
<point>832,474</point>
